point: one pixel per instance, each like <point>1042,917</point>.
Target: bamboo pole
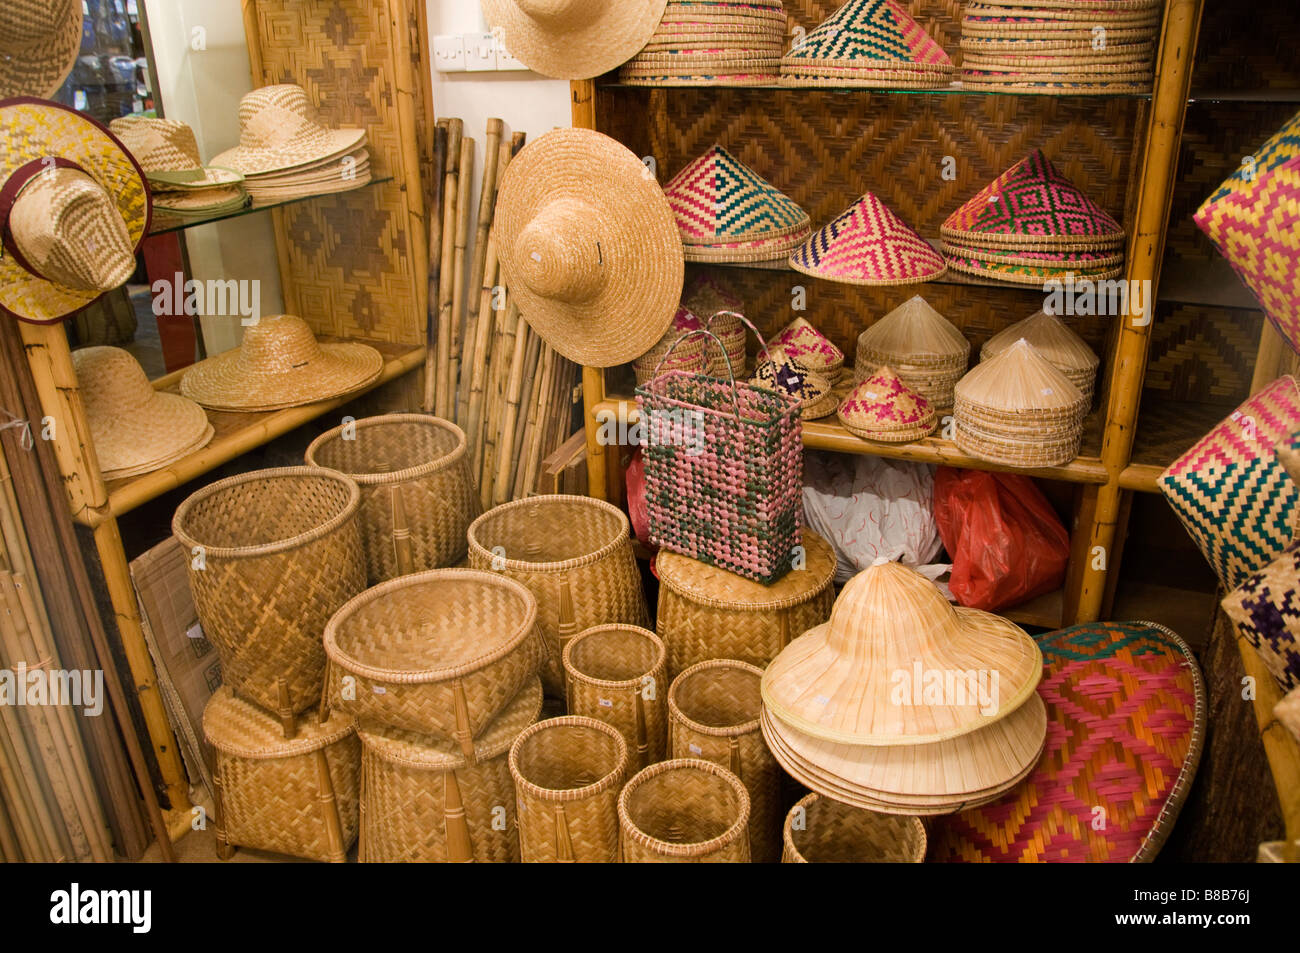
<point>464,189</point>
<point>38,795</point>
<point>435,269</point>
<point>502,368</point>
<point>27,828</point>
<point>446,299</point>
<point>486,205</point>
<point>510,416</point>
<point>10,852</point>
<point>409,141</point>
<point>537,426</point>
<point>531,361</point>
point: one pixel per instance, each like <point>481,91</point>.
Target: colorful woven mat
<point>869,33</point>
<point>1125,724</point>
<point>868,245</point>
<point>718,199</point>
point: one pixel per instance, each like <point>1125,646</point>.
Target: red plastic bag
<point>1006,543</point>
<point>637,511</point>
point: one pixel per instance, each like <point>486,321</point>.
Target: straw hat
<point>74,206</point>
<point>717,200</point>
<point>280,129</point>
<point>803,342</point>
<point>169,154</point>
<point>280,364</point>
<point>914,334</point>
<point>867,43</point>
<point>782,373</point>
<point>843,681</point>
<point>574,39</point>
<point>867,244</point>
<point>883,408</point>
<point>135,428</point>
<point>1060,346</point>
<point>39,44</point>
<point>588,247</point>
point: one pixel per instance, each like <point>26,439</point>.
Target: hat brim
<point>213,177</point>
<point>596,45</point>
<point>224,383</point>
<point>40,70</point>
<point>149,437</point>
<point>334,143</point>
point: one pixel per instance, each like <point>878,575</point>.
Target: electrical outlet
<point>449,53</point>
<point>506,60</point>
<point>480,52</point>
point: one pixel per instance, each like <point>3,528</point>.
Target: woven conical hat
<point>852,681</point>
<point>884,408</point>
<point>716,200</point>
<point>1019,381</point>
<point>787,375</point>
<point>810,347</point>
<point>1050,337</point>
<point>876,34</point>
<point>867,244</point>
<point>574,39</point>
<point>915,333</point>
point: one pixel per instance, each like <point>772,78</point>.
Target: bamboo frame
<point>486,206</point>
<point>444,401</point>
<point>433,296</point>
<point>460,247</point>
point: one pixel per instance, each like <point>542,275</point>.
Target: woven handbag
<point>723,469</point>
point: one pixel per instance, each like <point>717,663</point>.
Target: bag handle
<point>731,371</point>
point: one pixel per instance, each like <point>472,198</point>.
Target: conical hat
<point>869,33</point>
<point>884,408</point>
<point>786,375</point>
<point>868,245</point>
<point>718,200</point>
<point>917,334</point>
<point>803,342</point>
<point>892,635</point>
<point>1019,382</point>
<point>1060,346</point>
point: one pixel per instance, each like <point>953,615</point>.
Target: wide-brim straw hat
<point>281,364</point>
<point>843,682</point>
<point>201,201</point>
<point>867,244</point>
<point>280,129</point>
<point>718,200</point>
<point>74,207</point>
<point>135,428</point>
<point>588,247</point>
<point>884,408</point>
<point>574,39</point>
<point>40,41</point>
<point>169,154</point>
<point>785,375</point>
<point>869,33</point>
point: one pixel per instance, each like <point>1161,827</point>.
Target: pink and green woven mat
<point>1266,611</point>
<point>867,244</point>
<point>869,33</point>
<point>716,199</point>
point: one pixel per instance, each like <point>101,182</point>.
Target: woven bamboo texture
<point>274,554</point>
<point>713,712</point>
<point>575,555</point>
<point>684,811</point>
<point>1202,354</point>
<point>1248,52</point>
<point>417,495</point>
<point>617,674</point>
<point>819,830</point>
<point>567,773</point>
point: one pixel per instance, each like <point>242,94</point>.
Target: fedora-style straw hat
<point>281,364</point>
<point>867,244</point>
<point>74,207</point>
<point>574,39</point>
<point>588,247</point>
<point>280,129</point>
<point>39,44</point>
<point>169,154</point>
<point>883,408</point>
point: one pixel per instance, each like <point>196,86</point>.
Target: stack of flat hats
<point>179,182</point>
<point>285,151</point>
<point>1103,47</point>
<point>784,374</point>
<point>712,43</point>
<point>720,305</point>
<point>923,347</point>
<point>1062,348</point>
<point>867,244</point>
<point>803,342</point>
<point>1030,225</point>
<point>1017,409</point>
<point>872,43</point>
<point>903,703</point>
<point>885,409</point>
<point>697,354</point>
<point>726,212</point>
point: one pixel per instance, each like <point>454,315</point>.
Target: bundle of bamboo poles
<point>488,372</point>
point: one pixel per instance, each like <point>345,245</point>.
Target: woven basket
<point>423,800</point>
<point>713,711</point>
<point>616,674</point>
<point>440,652</point>
<point>567,773</point>
<point>684,811</point>
<point>819,830</point>
<point>296,796</point>
<point>275,553</point>
<point>417,495</point>
<point>575,555</point>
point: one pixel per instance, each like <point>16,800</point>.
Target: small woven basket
<point>713,713</point>
<point>617,674</point>
<point>568,772</point>
<point>575,555</point>
<point>440,653</point>
<point>297,796</point>
<point>417,495</point>
<point>819,830</point>
<point>684,811</point>
<point>274,554</point>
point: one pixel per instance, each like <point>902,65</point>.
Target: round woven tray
<point>866,79</point>
<point>685,810</point>
<point>1028,454</point>
<point>618,674</point>
<point>1103,89</point>
<point>820,830</point>
<point>1015,241</point>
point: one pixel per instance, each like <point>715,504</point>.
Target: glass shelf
<point>955,89</point>
<point>163,222</point>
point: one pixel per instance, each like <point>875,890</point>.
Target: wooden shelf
<point>952,89</point>
<point>163,222</point>
<point>1045,612</point>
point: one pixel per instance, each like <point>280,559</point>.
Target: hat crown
<point>278,344</point>
<point>1019,379</point>
<point>888,604</point>
<point>559,12</point>
<point>559,251</point>
<point>23,22</point>
<point>159,145</point>
<point>276,115</point>
<point>111,381</point>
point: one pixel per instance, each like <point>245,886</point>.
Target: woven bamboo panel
<point>1203,354</point>
<point>1258,49</point>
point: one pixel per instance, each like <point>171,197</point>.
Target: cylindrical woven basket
<point>423,800</point>
<point>575,555</point>
<point>440,652</point>
<point>684,811</point>
<point>568,772</point>
<point>616,674</point>
<point>273,555</point>
<point>820,830</point>
<point>713,714</point>
<point>417,495</point>
<point>291,796</point>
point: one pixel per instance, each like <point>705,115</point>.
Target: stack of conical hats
<point>903,703</point>
<point>1064,349</point>
<point>712,43</point>
<point>811,348</point>
<point>867,244</point>
<point>926,350</point>
<point>786,375</point>
<point>885,409</point>
<point>1019,410</point>
<point>871,43</point>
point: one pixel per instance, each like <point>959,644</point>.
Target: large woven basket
<point>616,674</point>
<point>274,554</point>
<point>440,652</point>
<point>417,495</point>
<point>567,773</point>
<point>684,811</point>
<point>819,830</point>
<point>291,796</point>
<point>575,555</point>
<point>424,800</point>
<point>713,713</point>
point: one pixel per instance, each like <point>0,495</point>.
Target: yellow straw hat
<point>39,44</point>
<point>574,39</point>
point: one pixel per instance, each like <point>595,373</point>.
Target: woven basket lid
<point>588,247</point>
<point>40,41</point>
<point>841,682</point>
<point>915,332</point>
<point>803,342</point>
<point>710,586</point>
<point>869,33</point>
<point>868,245</point>
<point>574,39</point>
<point>1050,337</point>
<point>1021,381</point>
<point>882,407</point>
<point>414,750</point>
<point>242,729</point>
<point>788,376</point>
<point>716,199</point>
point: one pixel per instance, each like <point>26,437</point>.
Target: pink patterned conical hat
<point>883,408</point>
<point>717,199</point>
<point>869,33</point>
<point>868,245</point>
<point>803,342</point>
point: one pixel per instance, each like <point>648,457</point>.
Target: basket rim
<point>277,546</point>
<point>418,676</point>
<point>311,735</point>
<point>395,476</point>
<point>477,549</point>
<point>729,731</point>
<point>613,779</point>
<point>787,835</point>
<point>667,578</point>
<point>661,656</point>
<point>675,849</point>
